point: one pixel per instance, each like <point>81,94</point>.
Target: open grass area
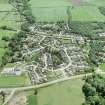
<point>85,10</point>
<point>66,41</point>
<point>64,93</point>
<point>13,81</point>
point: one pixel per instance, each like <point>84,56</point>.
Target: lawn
<point>55,10</point>
<point>65,93</point>
<point>66,41</point>
<point>13,81</point>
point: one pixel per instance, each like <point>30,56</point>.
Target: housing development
<point>52,52</point>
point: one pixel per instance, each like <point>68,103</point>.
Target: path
<point>43,85</point>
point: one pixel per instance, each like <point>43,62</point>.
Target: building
<point>12,71</point>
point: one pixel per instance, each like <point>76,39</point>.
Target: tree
<point>94,90</point>
<point>25,27</point>
<point>68,11</point>
<point>88,90</point>
<point>93,100</point>
<point>3,95</point>
<point>35,92</point>
<point>5,38</point>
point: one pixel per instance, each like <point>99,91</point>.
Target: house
<point>12,71</point>
<point>102,34</point>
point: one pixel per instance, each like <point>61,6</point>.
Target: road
<point>43,85</point>
<point>10,97</point>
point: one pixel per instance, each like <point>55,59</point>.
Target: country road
<point>42,85</point>
<point>48,83</point>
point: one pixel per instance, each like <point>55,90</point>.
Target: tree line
<point>94,90</point>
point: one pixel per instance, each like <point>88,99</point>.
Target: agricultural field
<point>48,10</point>
<point>3,1</point>
<point>96,2</point>
<point>56,10</point>
<point>13,81</point>
<point>87,13</point>
<point>65,40</point>
<point>8,18</point>
<point>32,100</point>
<point>64,93</point>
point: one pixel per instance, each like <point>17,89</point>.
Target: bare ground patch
<point>18,99</point>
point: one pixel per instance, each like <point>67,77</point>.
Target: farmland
<point>47,42</point>
<point>8,18</point>
<point>87,13</point>
<point>63,93</point>
<point>56,10</point>
<point>32,100</point>
<point>13,81</point>
<point>49,11</point>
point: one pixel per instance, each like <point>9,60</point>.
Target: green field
<point>52,11</point>
<point>32,100</point>
<point>9,19</point>
<point>87,13</point>
<point>49,10</point>
<point>55,10</point>
<point>96,2</point>
<point>65,93</point>
<point>3,1</point>
<point>13,81</point>
<point>66,41</point>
